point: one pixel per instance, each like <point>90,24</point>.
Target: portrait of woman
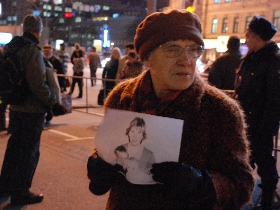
<point>138,160</point>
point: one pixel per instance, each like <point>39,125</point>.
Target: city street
<point>66,144</point>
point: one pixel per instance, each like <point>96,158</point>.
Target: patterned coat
<point>214,138</point>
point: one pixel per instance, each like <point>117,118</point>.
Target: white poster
<point>135,141</point>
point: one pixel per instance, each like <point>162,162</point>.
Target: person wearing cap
<point>22,152</point>
<point>222,71</point>
<point>257,89</point>
<point>213,171</point>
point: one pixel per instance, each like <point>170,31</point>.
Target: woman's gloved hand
<point>101,174</point>
<point>183,180</point>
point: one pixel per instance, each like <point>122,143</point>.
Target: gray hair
<point>32,23</point>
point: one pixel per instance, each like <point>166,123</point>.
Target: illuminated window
<point>227,1</point>
<point>68,9</point>
<point>216,1</point>
<point>236,24</point>
<point>47,7</point>
<point>248,20</point>
<point>106,7</point>
<point>214,26</point>
<point>115,15</point>
<point>57,8</point>
<point>276,18</point>
<point>225,25</point>
<point>78,20</point>
<point>61,20</point>
<point>46,14</point>
<point>97,8</point>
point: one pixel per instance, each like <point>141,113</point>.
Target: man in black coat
<point>222,71</point>
<point>56,64</point>
<point>258,91</point>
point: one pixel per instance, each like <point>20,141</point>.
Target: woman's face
<point>135,135</point>
<point>171,73</point>
<point>115,54</point>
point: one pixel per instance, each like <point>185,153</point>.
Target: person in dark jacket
<point>222,71</point>
<point>22,152</point>
<point>133,66</point>
<point>94,63</point>
<point>57,65</point>
<point>77,59</point>
<point>213,171</point>
<point>54,62</point>
<point>258,91</point>
<point>110,70</point>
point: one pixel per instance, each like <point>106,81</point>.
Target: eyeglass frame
<point>187,49</point>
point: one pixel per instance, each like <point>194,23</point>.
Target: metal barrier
<point>86,87</point>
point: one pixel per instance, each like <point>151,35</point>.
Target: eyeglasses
<point>173,51</point>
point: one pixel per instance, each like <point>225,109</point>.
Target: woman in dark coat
<point>110,70</point>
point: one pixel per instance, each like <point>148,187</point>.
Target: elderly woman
<point>213,171</point>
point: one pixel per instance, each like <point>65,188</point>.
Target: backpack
<point>13,85</point>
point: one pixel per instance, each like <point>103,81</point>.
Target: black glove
<point>58,109</point>
<point>183,180</point>
<point>101,174</point>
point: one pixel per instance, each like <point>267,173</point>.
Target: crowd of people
<point>224,137</point>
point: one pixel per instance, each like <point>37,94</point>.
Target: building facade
<point>224,18</point>
<point>107,23</point>
<point>103,23</point>
<point>221,19</point>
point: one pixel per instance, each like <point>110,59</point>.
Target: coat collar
<point>176,101</point>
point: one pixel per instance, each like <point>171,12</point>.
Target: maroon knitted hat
<point>161,27</point>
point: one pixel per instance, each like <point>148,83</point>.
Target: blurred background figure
<point>128,48</point>
<point>52,61</point>
<point>222,71</point>
<point>94,63</point>
<point>77,59</point>
<point>133,66</point>
<point>57,65</point>
<point>64,56</point>
<point>110,70</point>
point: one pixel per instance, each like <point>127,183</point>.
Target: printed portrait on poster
<point>135,141</point>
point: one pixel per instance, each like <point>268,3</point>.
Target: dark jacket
<point>213,138</point>
<point>110,70</point>
<point>31,59</point>
<point>59,68</point>
<point>222,71</point>
<point>258,89</point>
